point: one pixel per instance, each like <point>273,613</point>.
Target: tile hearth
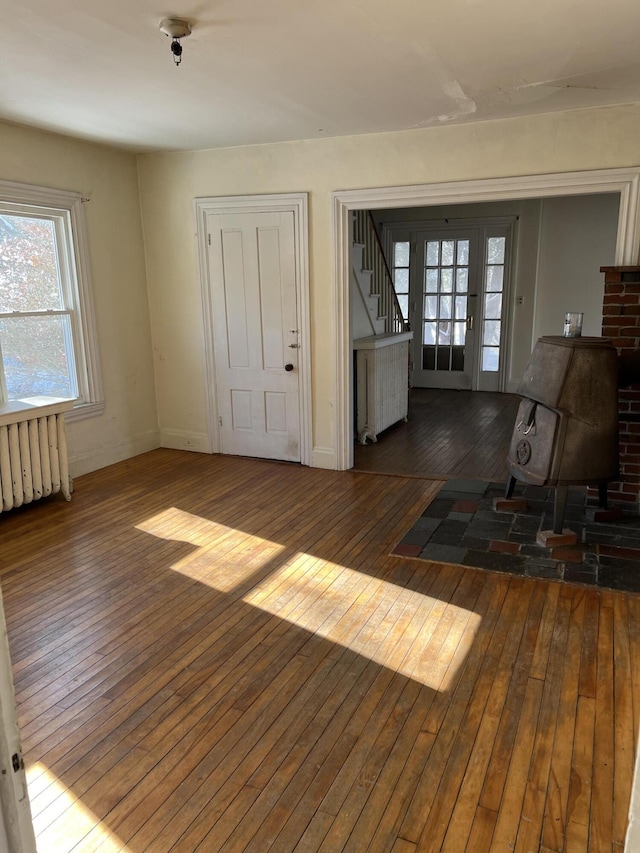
<point>460,526</point>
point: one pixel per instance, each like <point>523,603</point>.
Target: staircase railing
<point>366,233</point>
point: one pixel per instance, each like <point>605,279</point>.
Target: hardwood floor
<point>448,434</point>
<point>213,653</point>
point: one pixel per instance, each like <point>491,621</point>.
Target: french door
<point>457,301</point>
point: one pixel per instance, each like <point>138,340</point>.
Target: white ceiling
<point>272,70</point>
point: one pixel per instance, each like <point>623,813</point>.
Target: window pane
<point>493,306</point>
<point>430,307</point>
<point>459,333</point>
<point>447,252</point>
<point>463,252</point>
<point>429,336</point>
<point>35,357</point>
<point>461,307</point>
<point>491,334</point>
<point>401,254</point>
<point>444,333</point>
<point>494,278</point>
<point>431,281</point>
<point>446,280</point>
<point>29,279</point>
<point>433,253</point>
<point>445,307</point>
<point>490,359</point>
<point>403,302</point>
<point>401,280</point>
<point>462,280</point>
<point>495,250</point>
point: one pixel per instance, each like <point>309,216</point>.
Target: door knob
<point>288,367</point>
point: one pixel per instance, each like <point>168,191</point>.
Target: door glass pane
<point>461,307</point>
<point>457,358</point>
<point>445,307</point>
<point>490,359</point>
<point>495,278</point>
<point>491,334</point>
<point>462,280</point>
<point>401,254</point>
<point>433,253</point>
<point>459,333</point>
<point>431,308</point>
<point>36,352</point>
<point>446,280</point>
<point>463,252</point>
<point>443,358</point>
<point>447,252</point>
<point>403,301</point>
<point>401,280</point>
<point>429,336</point>
<point>495,250</point>
<point>444,334</point>
<point>431,281</point>
<point>493,306</point>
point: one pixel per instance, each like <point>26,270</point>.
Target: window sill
<point>81,411</point>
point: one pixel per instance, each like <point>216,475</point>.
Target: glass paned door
<point>446,270</point>
<point>492,321</point>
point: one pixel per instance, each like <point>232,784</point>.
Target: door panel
<point>445,277</point>
<point>252,269</point>
<point>459,295</point>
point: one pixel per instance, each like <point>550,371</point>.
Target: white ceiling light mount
<point>176,29</point>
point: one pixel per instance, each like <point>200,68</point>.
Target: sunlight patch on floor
<point>223,557</point>
<point>404,630</point>
<point>411,633</point>
<point>67,824</point>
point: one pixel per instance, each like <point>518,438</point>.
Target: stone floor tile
<point>443,554</point>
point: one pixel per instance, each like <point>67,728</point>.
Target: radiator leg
<point>559,506</point>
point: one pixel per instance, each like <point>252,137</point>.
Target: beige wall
<point>109,178</point>
<point>577,237</point>
<point>556,142</point>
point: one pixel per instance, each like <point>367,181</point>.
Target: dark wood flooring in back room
<point>214,653</point>
<point>448,434</point>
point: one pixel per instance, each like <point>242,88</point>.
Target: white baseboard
<point>324,457</point>
<point>92,460</point>
<point>177,439</point>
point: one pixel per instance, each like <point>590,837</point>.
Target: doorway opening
<point>536,264</point>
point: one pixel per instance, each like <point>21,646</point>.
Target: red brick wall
<point>621,323</point>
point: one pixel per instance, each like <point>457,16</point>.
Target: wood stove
<point>566,430</point>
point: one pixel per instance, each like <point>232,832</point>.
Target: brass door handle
<point>470,323</point>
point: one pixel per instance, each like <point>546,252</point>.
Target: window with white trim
<point>48,344</point>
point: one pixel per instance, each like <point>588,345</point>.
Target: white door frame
<point>624,181</point>
<point>16,827</point>
<point>297,204</point>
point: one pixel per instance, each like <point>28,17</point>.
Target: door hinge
<point>17,762</point>
<point>220,421</point>
<point>209,238</point>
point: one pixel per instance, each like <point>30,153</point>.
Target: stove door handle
<point>531,421</point>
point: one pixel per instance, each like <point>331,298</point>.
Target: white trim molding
<point>626,182</point>
<point>298,205</point>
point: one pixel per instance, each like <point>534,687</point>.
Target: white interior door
<point>256,339</point>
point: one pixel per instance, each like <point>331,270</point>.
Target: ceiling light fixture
<point>176,29</point>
